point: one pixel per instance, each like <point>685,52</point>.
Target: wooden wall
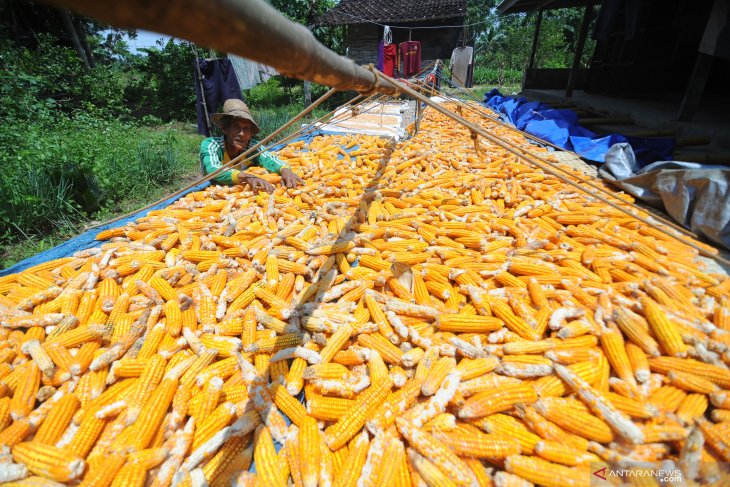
<point>659,58</point>
<point>362,41</point>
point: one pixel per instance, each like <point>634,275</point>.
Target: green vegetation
<point>478,91</point>
<point>503,43</point>
<point>273,103</point>
<point>496,77</point>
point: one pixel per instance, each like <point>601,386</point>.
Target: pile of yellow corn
<point>452,317</point>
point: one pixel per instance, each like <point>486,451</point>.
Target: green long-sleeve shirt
<point>213,155</point>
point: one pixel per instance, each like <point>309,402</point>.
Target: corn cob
<point>348,425</point>
<point>482,299</point>
<point>438,453</point>
<point>665,331</point>
<point>543,472</point>
<point>48,461</point>
<point>573,420</point>
<point>494,401</point>
<point>264,451</point>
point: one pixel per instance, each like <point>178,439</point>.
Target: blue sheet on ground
<point>88,240</point>
<point>561,128</point>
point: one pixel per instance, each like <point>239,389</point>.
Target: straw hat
<point>236,109</point>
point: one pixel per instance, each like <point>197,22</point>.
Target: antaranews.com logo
<point>604,474</point>
<point>665,474</point>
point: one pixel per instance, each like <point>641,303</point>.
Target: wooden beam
<point>535,43</point>
<point>587,14</point>
<point>606,121</point>
<point>505,5</point>
<point>695,87</point>
<point>535,40</point>
<point>692,141</point>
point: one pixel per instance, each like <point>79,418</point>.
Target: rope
<point>376,86</point>
<point>477,146</point>
<point>583,180</point>
<point>547,167</point>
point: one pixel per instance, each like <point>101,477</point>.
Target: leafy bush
<point>491,76</point>
<point>163,83</point>
<point>38,84</point>
<point>504,41</point>
<point>270,119</point>
<point>271,94</point>
<point>69,145</point>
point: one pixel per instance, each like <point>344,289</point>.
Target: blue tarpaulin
<point>87,239</point>
<point>561,128</point>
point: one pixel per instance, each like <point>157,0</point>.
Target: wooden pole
<point>535,43</point>
<point>587,14</point>
<point>695,87</point>
<point>535,40</point>
<point>199,76</point>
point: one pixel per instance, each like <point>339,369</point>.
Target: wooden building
<point>648,49</point>
<point>435,23</point>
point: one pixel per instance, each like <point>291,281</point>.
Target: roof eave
<point>503,7</point>
<point>459,18</point>
<point>508,7</point>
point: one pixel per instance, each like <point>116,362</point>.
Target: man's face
<point>239,134</point>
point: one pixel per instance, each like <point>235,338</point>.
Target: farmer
<point>238,128</point>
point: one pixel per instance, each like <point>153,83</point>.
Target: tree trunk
<point>307,85</point>
<point>69,26</point>
<point>81,30</point>
<point>307,94</point>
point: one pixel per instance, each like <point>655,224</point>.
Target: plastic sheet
<point>87,239</point>
<point>561,127</point>
<point>695,195</point>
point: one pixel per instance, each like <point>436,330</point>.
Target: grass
<point>506,89</point>
<point>478,91</point>
<point>269,119</point>
<point>87,175</point>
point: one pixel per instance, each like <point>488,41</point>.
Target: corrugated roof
<point>392,11</point>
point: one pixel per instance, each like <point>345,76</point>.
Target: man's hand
<point>257,184</point>
<point>290,179</point>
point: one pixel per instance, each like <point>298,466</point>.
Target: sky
<point>145,38</point>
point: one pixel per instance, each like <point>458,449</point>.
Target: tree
<point>501,40</point>
<point>23,21</point>
<point>163,86</point>
<point>305,12</point>
<point>73,35</point>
